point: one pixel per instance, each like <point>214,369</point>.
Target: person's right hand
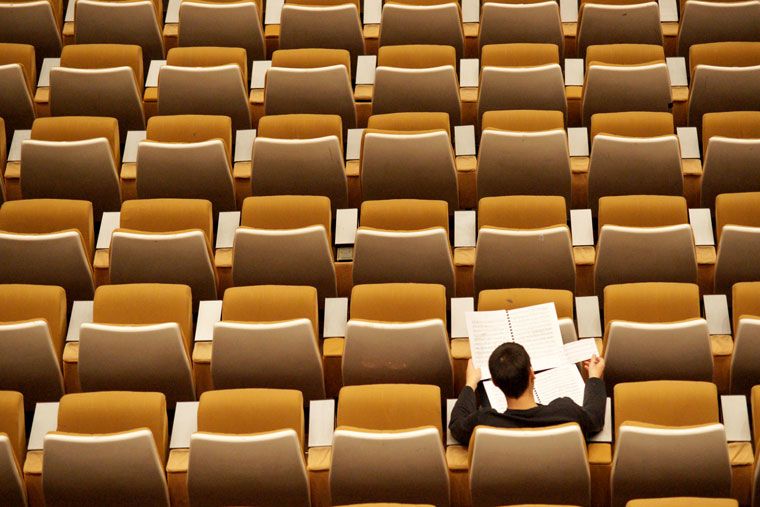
<point>594,367</point>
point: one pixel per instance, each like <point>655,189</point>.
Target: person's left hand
<point>473,375</point>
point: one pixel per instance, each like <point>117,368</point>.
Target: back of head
<point>510,369</point>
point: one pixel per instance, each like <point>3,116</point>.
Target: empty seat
<point>187,156</point>
<point>285,240</point>
<point>12,443</point>
<point>109,447</point>
<point>165,241</point>
<point>644,239</point>
<point>746,319</point>
<point>683,502</point>
<point>32,331</point>
<point>35,23</point>
<point>618,22</point>
<point>316,81</point>
<point>269,337</point>
<point>655,461</point>
<point>521,76</point>
<point>115,22</point>
<point>73,157</point>
<point>397,334</point>
<point>48,242</point>
<point>523,153</point>
<point>404,240</point>
<point>318,24</point>
<point>535,22</point>
<point>200,24</point>
<point>546,465</point>
<point>300,154</point>
<point>388,446</point>
<point>724,77</point>
<point>523,241</point>
<point>248,449</point>
<point>139,340</point>
<point>625,77</point>
<point>731,142</point>
<point>184,83</point>
<point>422,22</point>
<point>18,79</point>
<point>651,302</point>
<point>417,78</point>
<point>91,72</point>
<point>737,223</point>
<point>710,21</point>
<point>409,155</point>
<point>633,153</point>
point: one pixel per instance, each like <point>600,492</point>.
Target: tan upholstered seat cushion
<point>523,120</point>
<point>78,128</point>
<point>409,122</point>
<point>632,124</point>
<point>323,3</point>
<point>202,56</point>
<point>519,55</point>
<point>28,302</point>
<point>508,299</point>
<point>105,56</point>
<point>419,56</point>
<point>724,54</point>
<point>191,128</point>
<point>683,502</point>
<point>146,303</point>
<point>398,302</point>
<point>666,402</point>
<point>12,421</point>
<point>113,412</point>
<point>301,126</point>
<point>287,212</point>
<point>651,302</point>
<point>522,212</point>
<point>311,58</point>
<point>245,411</point>
<point>43,216</point>
<point>624,54</point>
<point>736,124</point>
<point>23,54</point>
<point>389,406</point>
<point>642,211</point>
<point>745,299</point>
<point>737,209</point>
<point>168,215</point>
<point>271,303</point>
<point>405,214</point>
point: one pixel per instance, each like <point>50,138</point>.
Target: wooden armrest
<point>128,171</point>
<point>242,170</point>
<point>584,255</point>
<point>333,347</point>
<point>319,459</point>
<point>102,259</point>
<point>363,93</point>
<point>457,457</point>
<point>706,255</point>
<point>257,96</point>
<point>466,163</point>
<point>223,258</point>
<point>371,31</point>
<point>691,167</point>
<point>740,453</point>
<point>150,95</point>
<point>599,454</point>
<point>464,256</point>
<point>680,93</point>
<point>42,95</point>
<point>177,462</point>
<point>13,170</point>
<point>579,165</point>
<point>460,348</point>
<point>721,345</point>
<point>202,352</point>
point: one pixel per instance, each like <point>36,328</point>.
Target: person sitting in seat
<point>512,373</point>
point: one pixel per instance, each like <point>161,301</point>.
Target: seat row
<point>250,447</point>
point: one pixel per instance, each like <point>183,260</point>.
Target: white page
<point>580,350</point>
<point>495,396</point>
<point>487,330</point>
<point>564,381</point>
<point>537,329</point>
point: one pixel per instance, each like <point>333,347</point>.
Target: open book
<point>534,327</point>
<point>564,381</point>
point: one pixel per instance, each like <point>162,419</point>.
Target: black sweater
<point>466,415</point>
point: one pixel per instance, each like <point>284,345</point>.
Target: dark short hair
<point>510,369</point>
